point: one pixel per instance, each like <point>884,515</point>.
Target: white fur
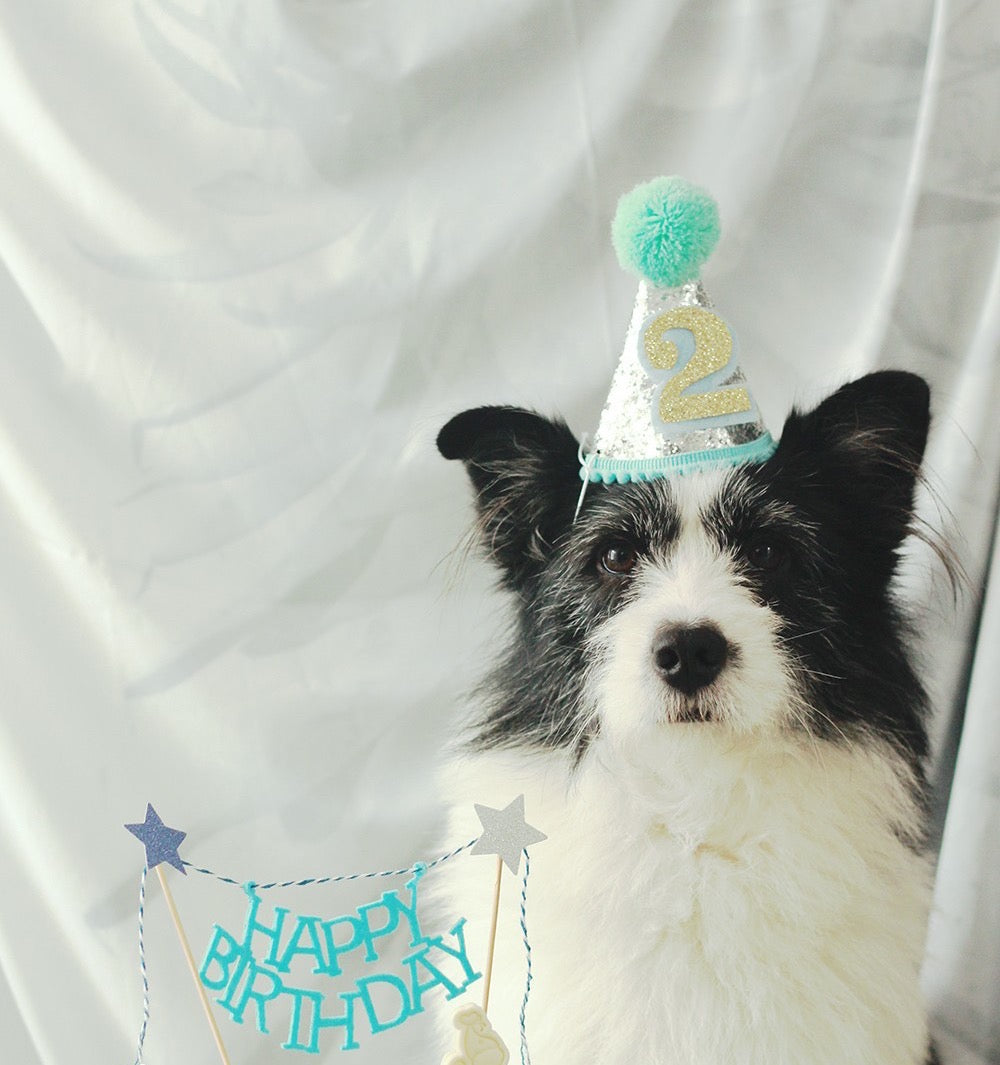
<point>714,901</point>
<point>726,893</point>
<point>694,586</point>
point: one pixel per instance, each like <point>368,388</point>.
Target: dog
<point>709,700</point>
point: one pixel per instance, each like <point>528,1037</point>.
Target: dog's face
<point>748,599</point>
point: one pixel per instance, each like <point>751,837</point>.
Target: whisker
<point>809,672</point>
<point>802,635</point>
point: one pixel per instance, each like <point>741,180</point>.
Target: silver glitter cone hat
<point>679,400</point>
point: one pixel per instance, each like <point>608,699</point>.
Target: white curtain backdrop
<point>254,253</point>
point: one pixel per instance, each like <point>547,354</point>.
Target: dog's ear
<point>862,447</point>
<point>525,471</point>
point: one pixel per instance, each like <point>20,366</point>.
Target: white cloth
<point>254,254</point>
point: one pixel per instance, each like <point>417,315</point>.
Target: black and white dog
<point>709,703</point>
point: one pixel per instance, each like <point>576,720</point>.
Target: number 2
<point>713,349</point>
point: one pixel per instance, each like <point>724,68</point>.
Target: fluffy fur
<point>735,872</point>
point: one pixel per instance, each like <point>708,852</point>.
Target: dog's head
<point>747,599</point>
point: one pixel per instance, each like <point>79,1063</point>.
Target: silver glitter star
<point>506,833</point>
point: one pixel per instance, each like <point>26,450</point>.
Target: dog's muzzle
<point>689,659</point>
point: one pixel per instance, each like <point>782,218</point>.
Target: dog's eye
<point>619,559</point>
<point>764,555</point>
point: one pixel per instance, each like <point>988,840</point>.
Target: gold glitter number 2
<point>713,348</point>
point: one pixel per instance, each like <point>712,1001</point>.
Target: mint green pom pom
<point>664,230</point>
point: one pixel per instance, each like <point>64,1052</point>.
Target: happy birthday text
<point>255,971</point>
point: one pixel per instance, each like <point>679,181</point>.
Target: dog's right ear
<point>525,471</point>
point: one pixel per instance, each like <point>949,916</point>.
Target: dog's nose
<point>689,658</point>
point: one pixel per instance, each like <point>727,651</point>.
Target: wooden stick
<point>493,937</point>
<point>185,946</point>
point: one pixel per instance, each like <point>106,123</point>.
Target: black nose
<point>689,659</point>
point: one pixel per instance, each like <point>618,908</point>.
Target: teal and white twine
<point>525,1056</point>
<point>142,967</point>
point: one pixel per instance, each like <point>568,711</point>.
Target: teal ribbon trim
<point>598,468</point>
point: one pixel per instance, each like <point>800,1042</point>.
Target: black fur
<point>524,470</point>
<point>849,471</point>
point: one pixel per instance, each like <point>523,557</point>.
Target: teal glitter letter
<point>314,948</point>
<point>316,1021</point>
<point>405,1009</point>
<point>253,925</point>
<point>224,961</point>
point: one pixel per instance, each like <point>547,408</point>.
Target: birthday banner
<point>263,971</point>
<point>256,968</point>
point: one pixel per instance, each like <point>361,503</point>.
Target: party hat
<point>679,401</point>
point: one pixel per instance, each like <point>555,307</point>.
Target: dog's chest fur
<point>738,904</point>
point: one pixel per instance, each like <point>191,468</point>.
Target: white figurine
<point>478,1043</point>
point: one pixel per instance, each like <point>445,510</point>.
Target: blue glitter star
<point>161,843</point>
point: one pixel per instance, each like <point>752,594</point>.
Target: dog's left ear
<point>862,447</point>
<point>525,471</point>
